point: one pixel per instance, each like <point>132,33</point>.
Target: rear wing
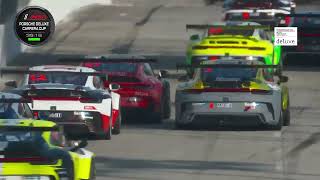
<point>209,65</point>
<point>227,27</point>
<point>109,59</point>
<point>14,100</point>
<point>26,70</point>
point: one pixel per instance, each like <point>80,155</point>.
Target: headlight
<point>63,174</point>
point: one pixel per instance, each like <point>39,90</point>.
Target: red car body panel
<point>147,89</point>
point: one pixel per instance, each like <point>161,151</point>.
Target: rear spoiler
<point>204,65</point>
<point>15,100</point>
<point>227,27</point>
<point>106,59</point>
<point>25,70</point>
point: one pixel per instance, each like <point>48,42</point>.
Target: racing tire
<point>92,171</point>
<point>167,101</point>
<point>116,129</point>
<point>279,124</point>
<point>286,116</point>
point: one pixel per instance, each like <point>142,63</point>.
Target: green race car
<point>38,149</point>
<point>234,39</point>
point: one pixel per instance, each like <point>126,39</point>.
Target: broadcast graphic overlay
<point>34,26</point>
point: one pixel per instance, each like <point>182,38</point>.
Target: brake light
<point>37,77</point>
<point>213,58</point>
<point>245,16</point>
<point>287,20</point>
<point>215,31</point>
<point>35,114</point>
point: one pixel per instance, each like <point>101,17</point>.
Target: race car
<point>289,5</point>
<point>232,92</point>
<point>308,26</point>
<point>234,39</point>
<point>142,92</point>
<point>72,96</point>
<point>261,11</point>
<point>38,149</point>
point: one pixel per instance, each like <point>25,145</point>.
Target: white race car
<point>72,96</point>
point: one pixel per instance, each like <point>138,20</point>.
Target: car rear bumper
<point>225,119</point>
<point>78,123</point>
<point>136,102</point>
<point>237,114</point>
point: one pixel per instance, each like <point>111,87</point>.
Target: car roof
<point>62,68</point>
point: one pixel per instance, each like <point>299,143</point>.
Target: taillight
<point>287,20</point>
<point>35,114</point>
<point>245,16</point>
<point>213,58</point>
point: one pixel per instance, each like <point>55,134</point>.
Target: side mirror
<point>12,84</point>
<point>283,79</point>
<point>78,145</point>
<point>195,37</point>
<point>163,73</point>
<point>114,87</point>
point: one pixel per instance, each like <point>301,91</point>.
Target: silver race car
<point>232,92</point>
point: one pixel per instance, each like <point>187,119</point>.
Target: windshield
<point>227,74</point>
<point>20,143</point>
<point>113,67</point>
<point>60,77</point>
<point>14,111</point>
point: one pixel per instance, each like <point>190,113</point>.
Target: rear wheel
<point>279,124</point>
<point>117,126</point>
<point>92,171</point>
<point>286,116</point>
<point>167,101</point>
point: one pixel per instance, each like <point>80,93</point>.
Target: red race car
<point>142,92</point>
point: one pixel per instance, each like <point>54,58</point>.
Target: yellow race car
<point>233,39</point>
<point>37,149</point>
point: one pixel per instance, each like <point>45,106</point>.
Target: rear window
<point>210,75</point>
<point>113,67</point>
<point>14,111</point>
<point>60,78</point>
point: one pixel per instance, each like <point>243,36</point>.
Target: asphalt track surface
<point>158,151</point>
